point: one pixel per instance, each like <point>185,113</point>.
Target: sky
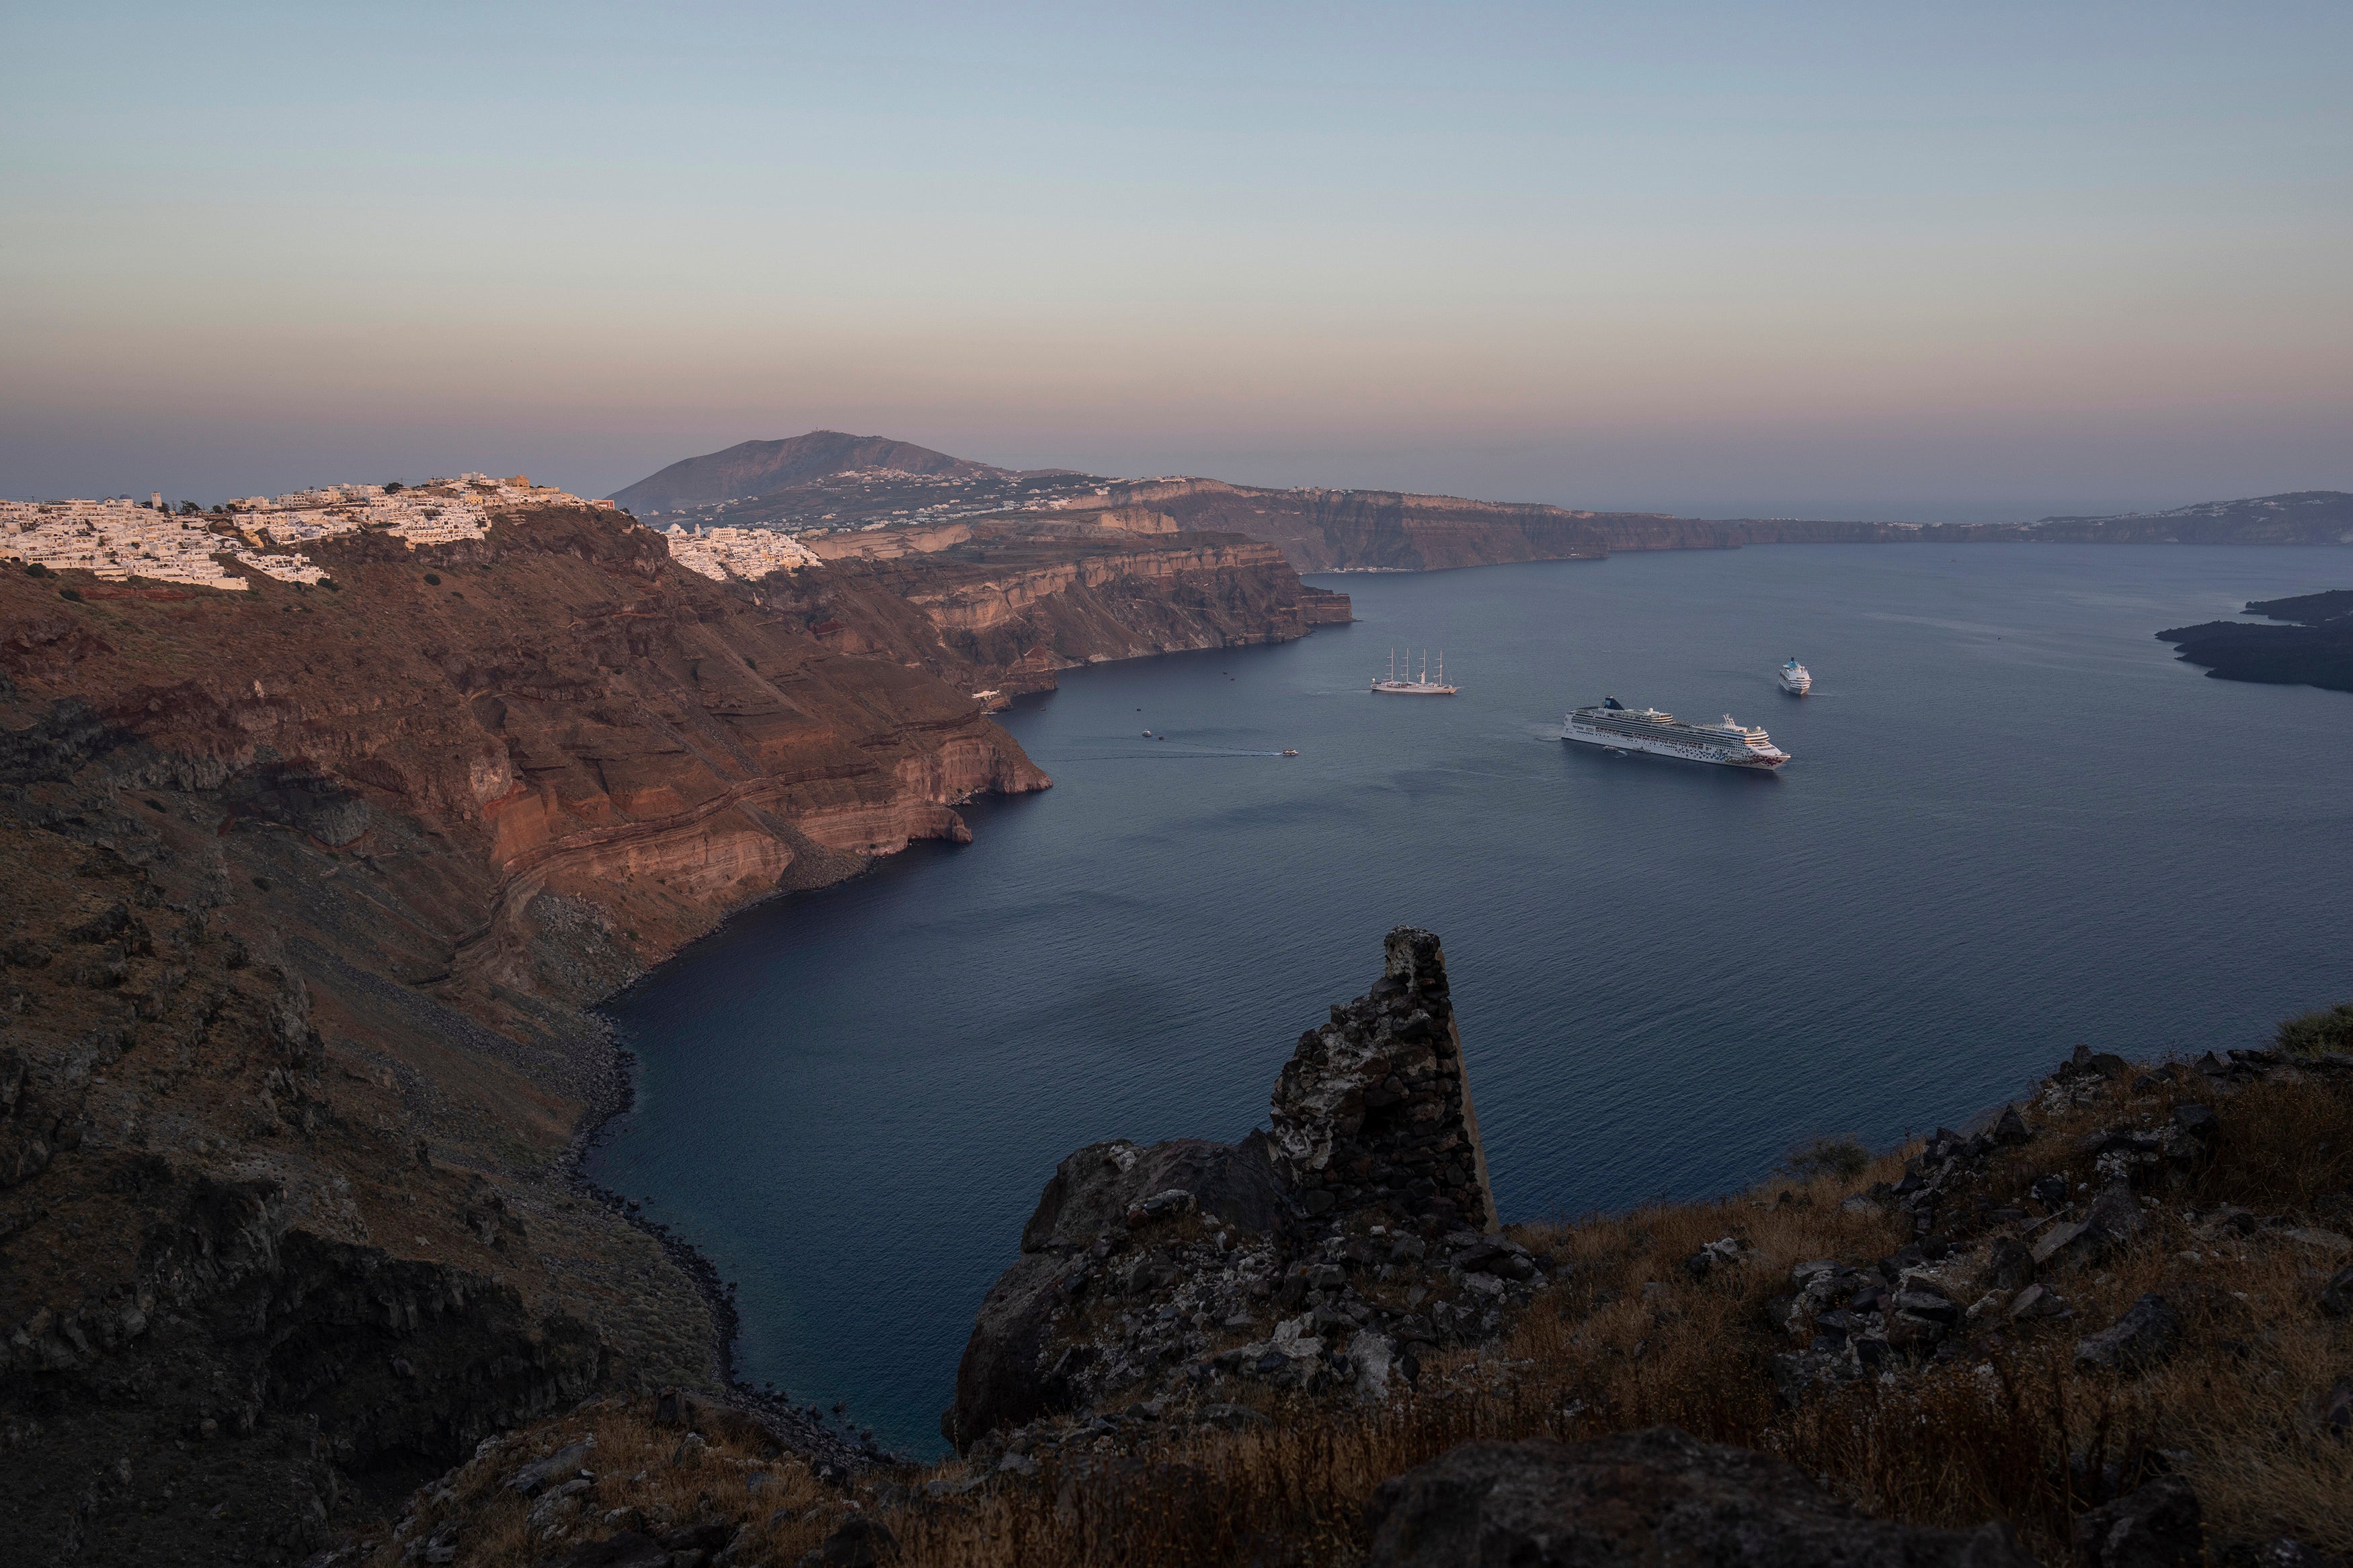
<point>1842,260</point>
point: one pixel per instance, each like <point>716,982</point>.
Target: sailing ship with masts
<point>1411,685</point>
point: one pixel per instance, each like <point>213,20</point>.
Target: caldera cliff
<point>311,886</point>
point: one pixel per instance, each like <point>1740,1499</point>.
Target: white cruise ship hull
<point>1798,686</point>
<point>1683,751</point>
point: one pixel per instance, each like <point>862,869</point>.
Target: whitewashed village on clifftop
<point>120,538</point>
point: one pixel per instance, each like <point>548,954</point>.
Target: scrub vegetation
<point>2251,1406</point>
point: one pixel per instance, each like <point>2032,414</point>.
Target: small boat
<point>1147,734</point>
<point>1289,754</point>
<point>1796,678</point>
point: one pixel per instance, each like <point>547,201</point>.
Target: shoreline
<point>612,1096</point>
<point>790,1424</point>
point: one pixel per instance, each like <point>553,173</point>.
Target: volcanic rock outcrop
<point>1373,1109</point>
<point>1358,1236</point>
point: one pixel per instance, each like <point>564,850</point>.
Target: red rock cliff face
<point>509,774</point>
<point>563,712</point>
<point>1011,607</point>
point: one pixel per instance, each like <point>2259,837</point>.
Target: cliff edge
<point>315,881</point>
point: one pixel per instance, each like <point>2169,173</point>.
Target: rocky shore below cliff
<point>2112,1325</point>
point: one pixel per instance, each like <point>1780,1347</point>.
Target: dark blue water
<point>2014,823</point>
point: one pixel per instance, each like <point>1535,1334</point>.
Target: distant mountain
<point>2298,516</point>
<point>762,467</point>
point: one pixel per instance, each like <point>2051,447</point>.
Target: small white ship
<point>1412,685</point>
<point>1624,729</point>
<point>1796,678</point>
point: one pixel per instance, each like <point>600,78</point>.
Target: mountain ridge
<point>836,484</point>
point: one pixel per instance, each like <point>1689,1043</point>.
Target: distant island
<point>2315,648</point>
<point>873,494</point>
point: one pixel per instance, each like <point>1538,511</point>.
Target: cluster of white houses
<point>120,539</point>
<point>724,553</point>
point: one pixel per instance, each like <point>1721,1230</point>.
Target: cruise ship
<point>1411,687</point>
<point>1624,729</point>
<point>1796,678</point>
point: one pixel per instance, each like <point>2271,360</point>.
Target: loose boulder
<point>2142,1338</point>
<point>1645,1498</point>
<point>1117,1185</point>
<point>2157,1526</point>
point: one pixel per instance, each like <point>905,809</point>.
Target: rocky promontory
<point>2312,645</point>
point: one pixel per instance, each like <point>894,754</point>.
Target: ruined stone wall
<point>1373,1109</point>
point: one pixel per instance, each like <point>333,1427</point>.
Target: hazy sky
<point>1870,259</point>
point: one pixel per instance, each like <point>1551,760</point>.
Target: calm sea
<point>2013,822</point>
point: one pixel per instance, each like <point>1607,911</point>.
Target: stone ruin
<point>1291,1258</point>
<point>1374,1110</point>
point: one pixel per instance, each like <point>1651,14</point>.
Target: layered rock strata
<point>1006,606</point>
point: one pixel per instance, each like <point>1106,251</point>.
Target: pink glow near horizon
<point>1853,261</point>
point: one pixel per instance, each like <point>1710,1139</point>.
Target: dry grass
<point>640,1469</point>
<point>2010,1430</point>
<point>1627,1337</point>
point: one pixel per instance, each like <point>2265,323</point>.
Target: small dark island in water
<point>2315,649</point>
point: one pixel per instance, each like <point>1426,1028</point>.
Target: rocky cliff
<point>1390,531</point>
<point>312,884</point>
<point>1008,605</point>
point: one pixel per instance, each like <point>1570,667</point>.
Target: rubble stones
<point>1374,1109</point>
<point>1654,1496</point>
